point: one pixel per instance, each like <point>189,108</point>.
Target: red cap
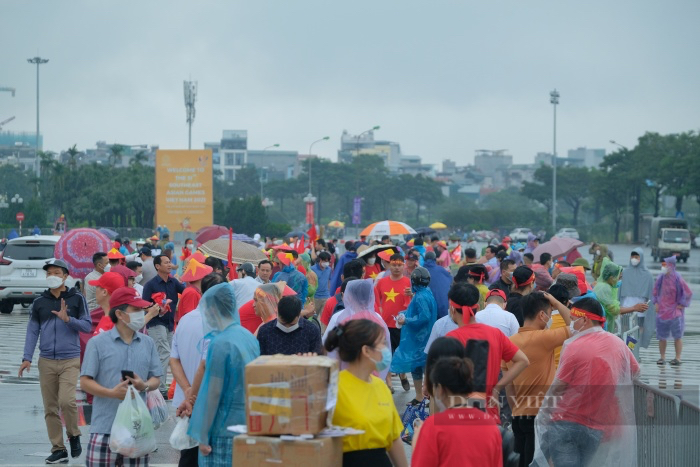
<point>110,281</point>
<point>127,296</point>
<point>496,292</point>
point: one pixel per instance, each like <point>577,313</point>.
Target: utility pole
<point>37,61</point>
<point>190,99</point>
<point>554,100</point>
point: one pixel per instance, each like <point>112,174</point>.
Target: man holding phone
<point>113,360</point>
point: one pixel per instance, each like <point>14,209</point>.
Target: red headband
<point>587,314</point>
<point>530,279</point>
<point>471,309</point>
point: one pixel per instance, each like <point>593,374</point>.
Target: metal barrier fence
<point>628,329</point>
<point>668,428</point>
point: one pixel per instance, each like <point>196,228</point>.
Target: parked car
<point>519,235</point>
<point>567,232</point>
<point>22,277</point>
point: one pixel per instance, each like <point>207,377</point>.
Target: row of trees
<point>630,180</point>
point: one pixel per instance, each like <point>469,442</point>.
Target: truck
<point>670,236</point>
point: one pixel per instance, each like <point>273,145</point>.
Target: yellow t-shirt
<point>369,407</point>
<point>557,322</point>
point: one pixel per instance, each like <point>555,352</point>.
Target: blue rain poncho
<point>421,314</point>
<point>295,280</point>
<point>221,399</point>
<point>440,282</point>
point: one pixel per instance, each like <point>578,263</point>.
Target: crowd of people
<point>493,341</point>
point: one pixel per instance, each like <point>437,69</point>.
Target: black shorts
<point>395,335</point>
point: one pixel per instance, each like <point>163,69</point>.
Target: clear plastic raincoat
<point>608,295</point>
<point>221,399</point>
<point>637,287</point>
<point>266,298</point>
<point>421,314</point>
<point>587,416</point>
<point>671,292</point>
<point>359,304</point>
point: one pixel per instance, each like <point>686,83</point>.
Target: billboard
<point>184,189</point>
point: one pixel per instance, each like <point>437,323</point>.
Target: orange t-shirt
<point>532,384</point>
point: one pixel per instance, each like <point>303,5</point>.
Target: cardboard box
<point>254,451</point>
<point>287,394</point>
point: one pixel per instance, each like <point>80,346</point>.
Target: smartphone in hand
<point>126,373</point>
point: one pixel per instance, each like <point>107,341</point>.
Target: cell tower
<point>190,99</point>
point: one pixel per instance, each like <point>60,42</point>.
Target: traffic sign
<point>19,216</point>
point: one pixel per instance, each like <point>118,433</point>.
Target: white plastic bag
<point>179,439</point>
<point>157,407</point>
<point>132,431</point>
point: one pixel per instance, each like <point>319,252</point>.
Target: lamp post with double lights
<point>262,170</point>
<point>37,61</point>
<point>554,100</point>
<point>357,145</point>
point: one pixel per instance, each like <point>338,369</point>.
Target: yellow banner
<point>184,189</point>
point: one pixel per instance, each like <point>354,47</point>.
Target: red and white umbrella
<point>76,248</point>
<point>387,228</point>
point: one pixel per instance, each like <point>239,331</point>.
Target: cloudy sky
<point>442,78</point>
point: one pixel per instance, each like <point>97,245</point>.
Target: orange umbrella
<point>387,228</point>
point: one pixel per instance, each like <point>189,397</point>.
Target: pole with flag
<point>231,267</point>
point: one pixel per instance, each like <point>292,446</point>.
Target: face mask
<point>325,264</point>
<point>551,269</point>
<point>597,252</point>
<point>634,261</point>
<point>137,320</point>
<point>190,247</point>
<point>664,269</point>
<point>54,282</point>
<point>571,328</point>
<point>509,276</point>
<point>107,268</point>
<point>138,278</point>
<point>548,324</point>
<point>618,284</point>
<point>384,363</point>
<point>286,329</point>
<point>440,405</point>
<point>371,261</point>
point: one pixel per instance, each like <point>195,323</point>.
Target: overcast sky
<point>441,78</point>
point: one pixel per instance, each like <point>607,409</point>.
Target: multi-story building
<point>19,148</point>
<point>585,157</point>
<point>490,162</point>
<point>353,145</point>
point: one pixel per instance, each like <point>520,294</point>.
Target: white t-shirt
<point>496,317</point>
<point>440,329</point>
<point>632,301</point>
<point>244,289</point>
<point>187,348</point>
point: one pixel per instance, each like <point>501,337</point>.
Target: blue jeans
<point>571,445</point>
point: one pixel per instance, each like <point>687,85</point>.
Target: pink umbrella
<point>210,233</point>
<point>76,248</point>
<point>557,247</point>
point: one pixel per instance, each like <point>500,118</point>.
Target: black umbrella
<point>296,234</point>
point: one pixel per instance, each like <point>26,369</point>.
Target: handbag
<point>413,413</point>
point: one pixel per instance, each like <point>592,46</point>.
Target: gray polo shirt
<point>106,356</point>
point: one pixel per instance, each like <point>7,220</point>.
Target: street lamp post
<point>554,100</point>
<point>325,138</point>
<point>357,146</point>
<point>37,61</point>
<point>16,201</point>
<point>262,168</point>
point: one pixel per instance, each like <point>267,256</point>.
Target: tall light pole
<point>262,168</point>
<point>190,99</point>
<point>310,199</point>
<point>554,100</point>
<point>357,146</point>
<point>325,138</point>
<point>37,61</point>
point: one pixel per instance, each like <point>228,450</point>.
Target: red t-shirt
<point>249,319</point>
<point>104,325</point>
<point>442,439</point>
<point>188,301</point>
<point>372,271</point>
<point>327,312</point>
<point>486,347</point>
<point>389,298</point>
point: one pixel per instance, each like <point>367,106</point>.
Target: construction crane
<point>4,88</point>
<point>6,121</point>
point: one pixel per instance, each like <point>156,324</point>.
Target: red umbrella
<point>76,248</point>
<point>210,233</point>
<point>557,247</point>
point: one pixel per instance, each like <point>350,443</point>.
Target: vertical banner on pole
<point>310,213</point>
<point>356,211</point>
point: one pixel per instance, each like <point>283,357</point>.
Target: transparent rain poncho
<point>638,283</point>
<point>589,408</point>
<point>266,298</point>
<point>607,294</point>
<point>221,399</point>
<point>671,292</point>
<point>421,314</point>
<point>359,304</point>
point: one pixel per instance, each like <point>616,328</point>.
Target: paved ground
<point>23,439</point>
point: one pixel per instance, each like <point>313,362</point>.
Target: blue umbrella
<point>242,238</point>
<point>109,232</point>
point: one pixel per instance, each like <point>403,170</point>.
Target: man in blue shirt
<point>161,327</point>
<point>322,268</point>
<point>291,275</point>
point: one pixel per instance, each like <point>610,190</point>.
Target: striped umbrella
<point>387,228</point>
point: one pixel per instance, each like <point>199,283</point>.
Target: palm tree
<point>139,158</point>
<point>72,157</point>
<point>116,154</point>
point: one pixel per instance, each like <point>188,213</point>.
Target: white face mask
<point>137,320</point>
<point>597,252</point>
<point>571,328</point>
<point>325,264</point>
<point>371,261</point>
<point>191,246</point>
<point>634,261</point>
<point>549,323</point>
<point>664,269</point>
<point>107,268</point>
<point>286,329</point>
<point>54,282</point>
<point>138,278</point>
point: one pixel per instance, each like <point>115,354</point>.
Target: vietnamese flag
<point>232,267</point>
<point>313,236</point>
<point>457,254</point>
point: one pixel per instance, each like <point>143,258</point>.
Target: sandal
<point>414,402</point>
<point>661,361</point>
<point>405,384</point>
<point>675,362</point>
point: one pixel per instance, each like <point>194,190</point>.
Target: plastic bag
<point>179,439</point>
<point>412,413</point>
<point>157,407</point>
<point>132,431</point>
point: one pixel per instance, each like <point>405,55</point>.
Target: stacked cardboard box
<point>289,395</point>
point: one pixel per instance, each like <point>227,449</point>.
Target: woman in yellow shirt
<point>364,400</point>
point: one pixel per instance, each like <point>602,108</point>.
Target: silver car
<point>22,277</point>
<point>567,232</point>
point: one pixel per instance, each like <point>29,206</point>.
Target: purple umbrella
<point>557,247</point>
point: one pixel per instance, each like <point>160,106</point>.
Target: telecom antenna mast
<point>190,99</point>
